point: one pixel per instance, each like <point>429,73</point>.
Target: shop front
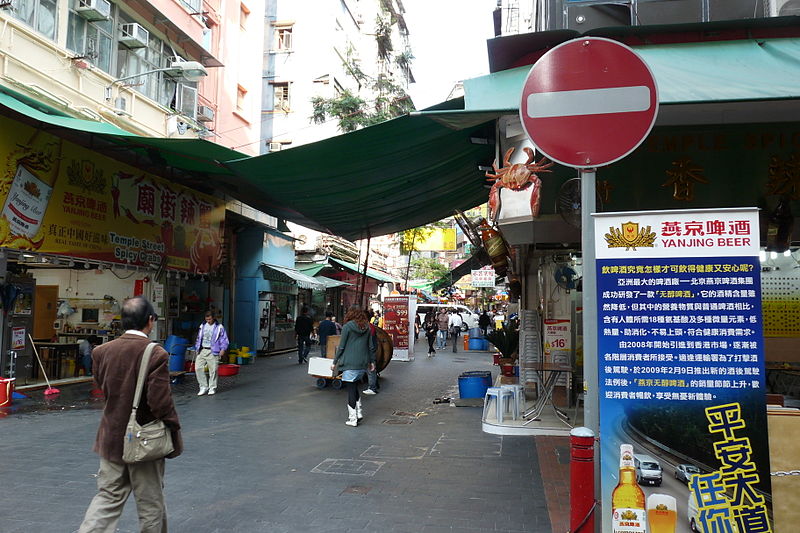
<point>80,233</point>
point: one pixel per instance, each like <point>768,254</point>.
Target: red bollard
<point>581,474</point>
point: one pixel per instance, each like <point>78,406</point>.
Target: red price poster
<point>396,322</point>
<point>557,345</point>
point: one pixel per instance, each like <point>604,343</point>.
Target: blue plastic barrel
<point>177,362</point>
<point>475,333</point>
<point>485,345</point>
<point>175,345</point>
<point>475,344</point>
<point>473,384</point>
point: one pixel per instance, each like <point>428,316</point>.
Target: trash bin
<point>473,384</point>
<point>6,391</point>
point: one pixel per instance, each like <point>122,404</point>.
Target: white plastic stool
<point>500,396</point>
<point>518,399</point>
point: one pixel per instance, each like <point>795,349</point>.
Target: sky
<point>448,40</point>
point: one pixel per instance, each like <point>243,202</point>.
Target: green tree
<point>428,269</point>
<point>391,100</point>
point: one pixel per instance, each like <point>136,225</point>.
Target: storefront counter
<point>60,360</point>
<point>284,339</point>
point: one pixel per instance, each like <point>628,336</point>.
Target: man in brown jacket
<point>115,365</point>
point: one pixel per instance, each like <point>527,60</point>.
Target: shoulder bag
<point>151,441</point>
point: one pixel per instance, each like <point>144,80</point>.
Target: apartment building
<point>162,68</point>
<point>322,49</point>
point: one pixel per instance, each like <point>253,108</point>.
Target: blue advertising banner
<point>683,425</point>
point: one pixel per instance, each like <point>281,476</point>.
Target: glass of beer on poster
<point>662,514</point>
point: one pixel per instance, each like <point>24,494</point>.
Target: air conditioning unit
<point>205,113</point>
<point>275,147</point>
<point>186,100</point>
<point>133,35</point>
<point>94,10</point>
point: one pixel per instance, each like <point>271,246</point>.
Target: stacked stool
<point>504,400</point>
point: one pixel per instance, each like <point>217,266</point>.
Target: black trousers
<point>352,393</point>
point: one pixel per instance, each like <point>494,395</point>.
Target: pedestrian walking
<point>372,371</point>
<point>431,329</point>
<point>353,357</point>
<point>325,329</point>
<point>455,322</point>
<point>211,344</point>
<point>116,365</point>
<point>443,320</point>
<point>303,327</point>
<point>483,322</point>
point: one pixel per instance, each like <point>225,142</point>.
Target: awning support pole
<point>410,253</point>
<point>363,287</point>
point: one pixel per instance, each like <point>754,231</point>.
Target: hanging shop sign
<point>681,370</point>
<point>483,277</point>
<point>398,313</point>
<point>58,197</point>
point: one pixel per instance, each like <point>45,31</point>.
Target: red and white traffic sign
<point>589,102</point>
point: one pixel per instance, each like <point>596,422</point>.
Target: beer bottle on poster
<point>627,501</point>
<point>34,178</point>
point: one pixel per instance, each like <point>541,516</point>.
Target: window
<point>283,38</point>
<point>38,14</point>
<point>93,40</point>
<point>193,6</point>
<point>281,96</point>
<point>157,54</point>
<point>241,95</point>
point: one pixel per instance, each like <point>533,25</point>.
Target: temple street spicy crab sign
<point>588,102</point>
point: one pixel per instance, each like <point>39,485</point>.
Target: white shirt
<point>455,320</point>
<point>137,332</point>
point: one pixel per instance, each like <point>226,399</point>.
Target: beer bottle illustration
<point>30,191</point>
<point>627,500</point>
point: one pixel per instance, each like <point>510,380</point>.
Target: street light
<point>188,70</point>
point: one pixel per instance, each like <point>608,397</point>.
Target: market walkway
<point>271,453</point>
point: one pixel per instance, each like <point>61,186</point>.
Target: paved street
<point>271,453</point>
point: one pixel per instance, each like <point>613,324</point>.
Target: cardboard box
<point>331,345</point>
<point>320,366</point>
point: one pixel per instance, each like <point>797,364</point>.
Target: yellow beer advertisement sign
<point>61,198</point>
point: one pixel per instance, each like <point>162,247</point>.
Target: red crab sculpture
<point>516,177</point>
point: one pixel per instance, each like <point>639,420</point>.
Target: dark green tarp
<point>399,174</point>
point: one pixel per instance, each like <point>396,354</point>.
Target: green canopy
<point>190,162</point>
<point>371,272</point>
<point>396,175</point>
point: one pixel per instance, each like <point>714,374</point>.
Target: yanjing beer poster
<point>683,426</point>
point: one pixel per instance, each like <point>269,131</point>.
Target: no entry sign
<point>589,102</point>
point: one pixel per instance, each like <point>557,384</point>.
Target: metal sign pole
<point>591,412</point>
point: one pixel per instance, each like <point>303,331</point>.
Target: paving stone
<point>251,451</point>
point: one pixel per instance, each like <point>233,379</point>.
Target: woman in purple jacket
<point>212,342</point>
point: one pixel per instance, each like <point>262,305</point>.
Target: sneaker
<point>369,392</point>
<point>212,390</point>
<point>203,390</point>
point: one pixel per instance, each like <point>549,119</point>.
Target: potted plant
<point>507,343</point>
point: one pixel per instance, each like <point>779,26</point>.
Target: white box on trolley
<point>320,366</point>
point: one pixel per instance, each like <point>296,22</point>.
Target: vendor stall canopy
<point>419,168</point>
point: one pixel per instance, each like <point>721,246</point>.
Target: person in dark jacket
<point>484,321</point>
<point>353,357</point>
<point>115,366</point>
<point>431,329</point>
<point>303,327</point>
<point>325,329</point>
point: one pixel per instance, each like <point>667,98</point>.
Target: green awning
<point>312,269</point>
<point>331,283</point>
<point>189,162</point>
<point>399,174</point>
<point>701,72</point>
<point>371,272</point>
<point>290,275</point>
